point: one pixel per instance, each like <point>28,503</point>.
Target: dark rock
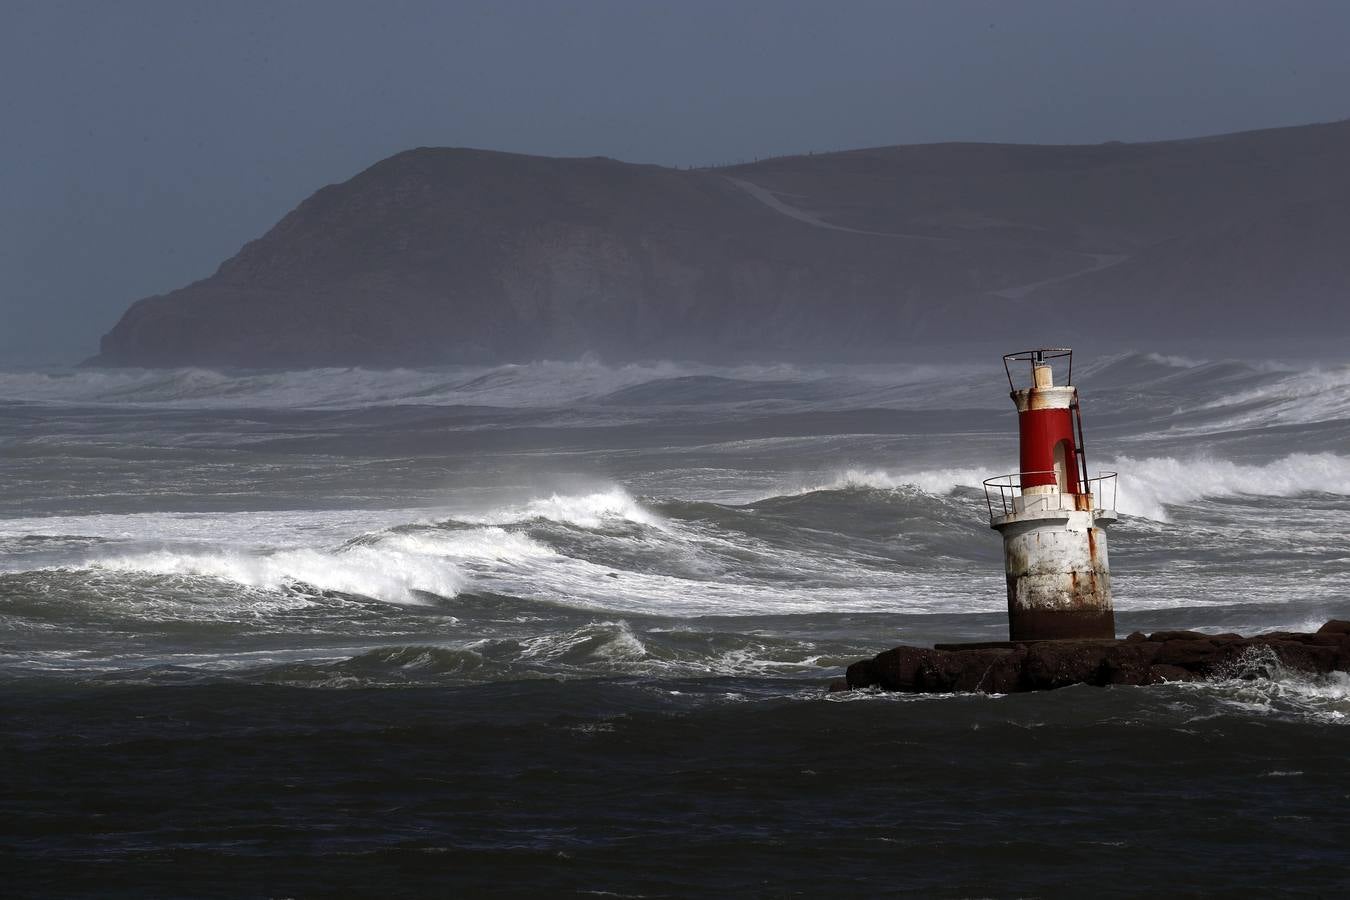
<point>1165,673</point>
<point>987,671</point>
<point>1136,636</point>
<point>1188,653</point>
<point>1004,674</point>
<point>1178,636</point>
<point>1043,665</point>
<point>1054,664</point>
<point>863,674</point>
<point>1335,626</point>
<point>1304,657</point>
<point>894,670</point>
<point>1129,662</point>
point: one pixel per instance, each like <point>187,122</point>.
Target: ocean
<point>566,628</point>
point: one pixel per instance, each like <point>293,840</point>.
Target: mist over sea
<point>567,627</point>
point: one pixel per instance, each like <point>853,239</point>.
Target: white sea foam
<point>674,568</point>
<point>590,510</point>
<point>1294,398</point>
<point>1147,486</point>
<point>387,574</point>
<point>1175,361</point>
<point>930,481</point>
<point>1260,684</point>
<point>294,529</point>
<point>395,567</point>
<point>490,544</point>
<point>665,566</point>
<point>275,529</point>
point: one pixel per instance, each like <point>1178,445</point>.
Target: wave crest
<point>1148,485</point>
<point>593,511</point>
<point>381,573</point>
<point>1298,398</point>
<point>930,481</point>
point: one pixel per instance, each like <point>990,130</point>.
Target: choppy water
<point>566,626</point>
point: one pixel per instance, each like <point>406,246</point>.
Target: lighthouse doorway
<point>1062,453</point>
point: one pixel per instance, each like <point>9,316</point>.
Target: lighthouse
<point>1051,515</point>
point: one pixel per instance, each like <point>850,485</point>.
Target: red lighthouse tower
<point>1051,514</point>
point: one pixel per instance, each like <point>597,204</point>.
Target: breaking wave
<point>397,563</point>
<point>604,550</point>
<point>398,566</point>
<point>1147,486</point>
<point>1297,398</point>
<point>391,574</point>
<point>593,510</point>
<point>930,481</point>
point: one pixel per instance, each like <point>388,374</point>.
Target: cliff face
<point>448,255</point>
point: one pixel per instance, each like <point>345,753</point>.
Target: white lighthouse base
<point>1059,581</point>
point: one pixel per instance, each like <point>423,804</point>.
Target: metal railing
<point>1013,499</point>
<point>1034,358</point>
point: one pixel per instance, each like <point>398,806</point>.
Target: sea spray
<point>386,574</point>
<point>1147,485</point>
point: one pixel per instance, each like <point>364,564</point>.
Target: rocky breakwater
<point>1139,659</point>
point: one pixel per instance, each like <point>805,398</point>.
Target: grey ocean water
<point>567,626</point>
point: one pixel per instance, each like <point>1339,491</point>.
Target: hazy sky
<point>141,143</point>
